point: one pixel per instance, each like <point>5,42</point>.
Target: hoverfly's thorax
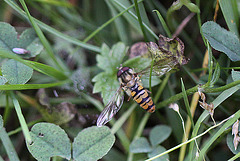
<point>126,76</point>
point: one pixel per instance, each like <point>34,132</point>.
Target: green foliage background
<point>69,75</point>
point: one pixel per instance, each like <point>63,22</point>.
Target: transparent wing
<point>160,67</point>
<point>111,108</point>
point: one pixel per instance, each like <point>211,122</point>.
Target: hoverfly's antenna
<point>120,66</point>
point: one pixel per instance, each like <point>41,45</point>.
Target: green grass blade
<point>140,20</point>
<point>7,144</point>
<point>120,24</point>
<point>135,17</point>
<point>31,86</point>
<point>108,22</point>
<point>230,13</point>
<point>235,157</point>
<point>210,142</point>
<point>54,31</point>
<point>21,119</point>
<point>164,25</point>
<point>42,68</point>
<point>41,35</point>
<point>187,103</point>
<point>222,97</point>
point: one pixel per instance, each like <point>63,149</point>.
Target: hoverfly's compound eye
<point>122,70</point>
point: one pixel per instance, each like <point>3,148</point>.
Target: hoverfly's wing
<point>165,56</point>
<point>111,108</point>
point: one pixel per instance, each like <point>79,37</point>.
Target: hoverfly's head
<point>122,70</point>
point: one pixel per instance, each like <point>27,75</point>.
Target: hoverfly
<point>130,83</point>
<point>164,60</point>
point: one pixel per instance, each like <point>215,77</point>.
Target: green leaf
<point>158,150</point>
<point>140,145</point>
<point>108,60</point>
<point>42,68</point>
<point>222,40</point>
<point>6,143</point>
<point>111,59</point>
<point>16,72</point>
<point>49,140</point>
<point>159,133</point>
<point>92,143</point>
<point>3,80</point>
<point>27,40</point>
<point>31,86</point>
<point>228,8</point>
<point>235,75</point>
<point>231,145</point>
<point>216,75</point>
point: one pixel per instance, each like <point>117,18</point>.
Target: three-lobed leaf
<point>92,143</point>
<point>3,80</point>
<point>49,140</point>
<point>140,145</point>
<point>27,40</point>
<point>158,150</point>
<point>235,75</point>
<point>109,60</point>
<point>222,40</point>
<point>16,72</point>
<point>159,133</point>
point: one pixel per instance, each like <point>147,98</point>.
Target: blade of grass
<point>164,25</point>
<point>31,86</point>
<point>7,109</point>
<point>209,142</point>
<point>187,103</point>
<point>7,144</point>
<point>42,68</point>
<point>210,63</point>
<point>195,89</point>
<point>140,21</point>
<point>198,136</point>
<point>135,17</point>
<point>41,35</point>
<point>56,3</point>
<point>108,22</point>
<point>21,119</point>
<point>54,31</point>
<point>230,13</point>
<point>222,97</point>
<point>120,24</point>
<point>235,157</point>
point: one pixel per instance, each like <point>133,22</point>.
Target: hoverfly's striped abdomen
<point>141,96</point>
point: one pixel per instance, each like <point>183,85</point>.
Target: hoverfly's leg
<point>148,91</point>
<point>129,98</point>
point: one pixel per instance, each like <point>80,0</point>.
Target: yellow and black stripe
<point>141,96</point>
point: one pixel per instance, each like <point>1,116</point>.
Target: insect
<point>20,51</point>
<point>130,83</point>
<point>165,56</point>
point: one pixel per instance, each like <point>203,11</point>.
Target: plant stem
<point>193,139</point>
<point>195,89</point>
<point>107,23</point>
